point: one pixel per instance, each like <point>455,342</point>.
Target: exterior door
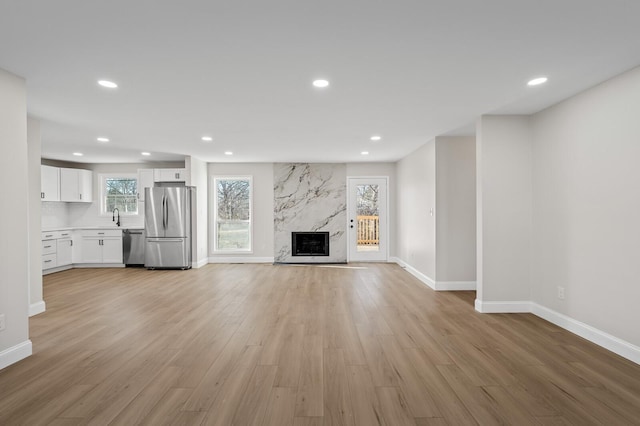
<point>367,219</point>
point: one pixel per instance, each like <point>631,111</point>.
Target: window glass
<point>119,192</point>
<point>233,214</point>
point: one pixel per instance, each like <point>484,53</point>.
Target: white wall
<point>14,221</point>
<point>263,231</point>
<point>503,159</point>
<point>586,207</point>
<point>198,177</point>
<point>36,302</point>
<point>381,169</point>
<point>456,210</point>
<point>416,196</point>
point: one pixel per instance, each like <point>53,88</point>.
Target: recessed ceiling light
<point>107,84</point>
<point>228,153</point>
<point>537,81</point>
<point>207,138</point>
<point>78,154</point>
<point>103,139</point>
<point>365,153</point>
<point>376,138</point>
<point>146,154</point>
<point>320,83</point>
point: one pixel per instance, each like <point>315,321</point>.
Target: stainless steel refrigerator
<point>167,218</point>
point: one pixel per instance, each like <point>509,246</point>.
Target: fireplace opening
<point>309,244</point>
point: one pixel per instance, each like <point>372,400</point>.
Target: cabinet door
<point>91,250</point>
<point>85,185</point>
<point>69,185</point>
<point>112,250</point>
<point>49,183</point>
<point>64,252</point>
<point>145,180</point>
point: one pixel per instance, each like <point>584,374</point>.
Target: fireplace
<point>309,244</point>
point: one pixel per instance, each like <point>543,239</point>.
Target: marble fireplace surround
<point>310,197</point>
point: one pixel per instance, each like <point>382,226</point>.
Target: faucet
<point>114,216</point>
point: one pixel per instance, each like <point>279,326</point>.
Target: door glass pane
<point>367,213</point>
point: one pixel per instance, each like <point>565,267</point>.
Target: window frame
<point>214,218</point>
<point>102,190</point>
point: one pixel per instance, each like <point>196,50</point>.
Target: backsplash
<point>54,214</point>
<point>310,198</point>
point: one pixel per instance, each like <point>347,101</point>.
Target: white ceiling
<point>241,71</point>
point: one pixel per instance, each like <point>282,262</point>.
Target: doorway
<point>367,221</point>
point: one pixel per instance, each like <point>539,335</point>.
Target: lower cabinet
<point>63,256</point>
<point>56,249</point>
<point>102,246</point>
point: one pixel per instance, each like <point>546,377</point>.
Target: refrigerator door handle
<point>164,201</point>
<point>166,212</point>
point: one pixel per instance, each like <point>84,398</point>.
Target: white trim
<point>456,285</point>
<point>56,269</point>
<point>506,307</point>
<point>413,271</point>
<point>37,308</point>
<point>612,343</point>
<point>98,265</point>
<point>599,337</point>
<point>240,259</point>
<point>15,353</point>
<point>200,263</point>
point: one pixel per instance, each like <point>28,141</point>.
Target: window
<point>119,191</point>
<point>232,228</point>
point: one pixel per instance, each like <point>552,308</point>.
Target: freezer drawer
<point>167,253</point>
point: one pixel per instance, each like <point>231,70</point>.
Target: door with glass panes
<point>367,219</point>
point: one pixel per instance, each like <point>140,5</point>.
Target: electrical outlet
<point>560,293</point>
<point>2,323</point>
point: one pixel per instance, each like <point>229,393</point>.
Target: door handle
<point>164,202</point>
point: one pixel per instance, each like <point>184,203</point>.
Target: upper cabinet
<point>76,185</point>
<point>49,183</point>
<point>169,175</point>
<point>145,180</point>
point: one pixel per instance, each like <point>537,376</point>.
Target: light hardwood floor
<point>300,345</point>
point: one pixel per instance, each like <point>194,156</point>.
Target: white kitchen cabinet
<point>64,251</point>
<point>102,246</point>
<point>145,180</point>
<point>49,183</point>
<point>76,185</point>
<point>169,175</point>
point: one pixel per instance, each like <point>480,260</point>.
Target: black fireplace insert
<point>309,244</point>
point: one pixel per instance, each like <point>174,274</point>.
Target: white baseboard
<point>456,285</point>
<point>240,259</point>
<point>614,344</point>
<point>99,265</point>
<point>511,307</point>
<point>37,308</point>
<point>413,271</point>
<point>15,354</point>
<point>57,269</point>
<point>200,263</point>
<point>623,348</point>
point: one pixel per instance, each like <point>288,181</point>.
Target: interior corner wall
<point>14,222</point>
<point>456,209</point>
<point>35,212</point>
<point>586,204</point>
<point>198,177</point>
<point>504,191</point>
<point>263,230</point>
<point>416,199</point>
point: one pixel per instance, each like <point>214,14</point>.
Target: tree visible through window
<point>233,214</point>
<point>120,193</point>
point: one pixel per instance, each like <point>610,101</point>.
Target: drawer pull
<point>48,236</point>
<point>47,261</point>
<point>47,246</point>
<point>100,233</point>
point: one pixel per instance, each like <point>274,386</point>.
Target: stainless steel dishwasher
<point>133,246</point>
